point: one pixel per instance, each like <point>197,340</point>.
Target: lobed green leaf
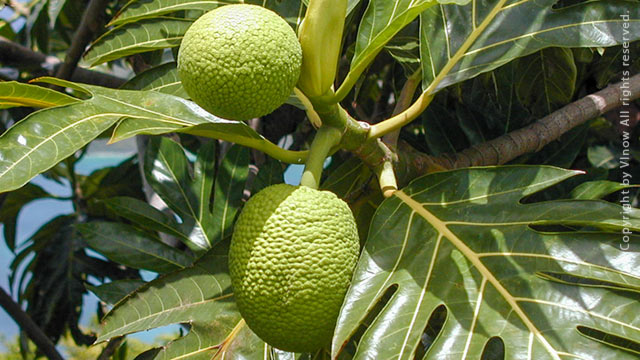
<point>533,275</point>
<point>460,42</point>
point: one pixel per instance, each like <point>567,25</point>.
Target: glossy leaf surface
<point>460,42</point>
<point>465,240</point>
<point>48,136</point>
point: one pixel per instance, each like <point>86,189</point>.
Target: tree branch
<point>111,348</point>
<point>89,25</point>
<point>404,101</point>
<point>21,57</point>
<point>531,138</point>
<point>34,332</point>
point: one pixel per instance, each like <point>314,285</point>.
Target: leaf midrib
<point>441,227</point>
<point>182,307</point>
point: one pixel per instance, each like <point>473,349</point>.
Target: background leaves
<point>200,296</point>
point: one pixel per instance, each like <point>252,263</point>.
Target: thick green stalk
<point>326,138</point>
<point>258,143</point>
<point>331,114</point>
<point>386,178</point>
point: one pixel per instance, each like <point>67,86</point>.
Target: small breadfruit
<point>239,61</point>
<point>291,259</point>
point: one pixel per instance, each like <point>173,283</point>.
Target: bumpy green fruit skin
<point>291,259</point>
<point>239,61</point>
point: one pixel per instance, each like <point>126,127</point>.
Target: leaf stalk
<point>398,121</point>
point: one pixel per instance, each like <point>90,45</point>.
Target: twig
<point>34,332</point>
<point>89,25</point>
<point>21,57</point>
<point>404,101</point>
<point>534,137</point>
<point>111,348</point>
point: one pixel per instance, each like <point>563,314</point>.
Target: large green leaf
<point>201,297</point>
<point>141,36</point>
<point>199,292</point>
<point>382,20</point>
<point>542,278</point>
<point>460,42</point>
<point>48,136</point>
<point>168,172</point>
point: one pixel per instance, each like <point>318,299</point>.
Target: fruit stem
<point>326,138</point>
<point>386,178</point>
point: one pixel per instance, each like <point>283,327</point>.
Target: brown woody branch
<point>21,57</point>
<point>27,325</point>
<point>529,139</point>
<point>111,348</point>
<point>89,25</point>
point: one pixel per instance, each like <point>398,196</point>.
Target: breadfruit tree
<point>468,183</point>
